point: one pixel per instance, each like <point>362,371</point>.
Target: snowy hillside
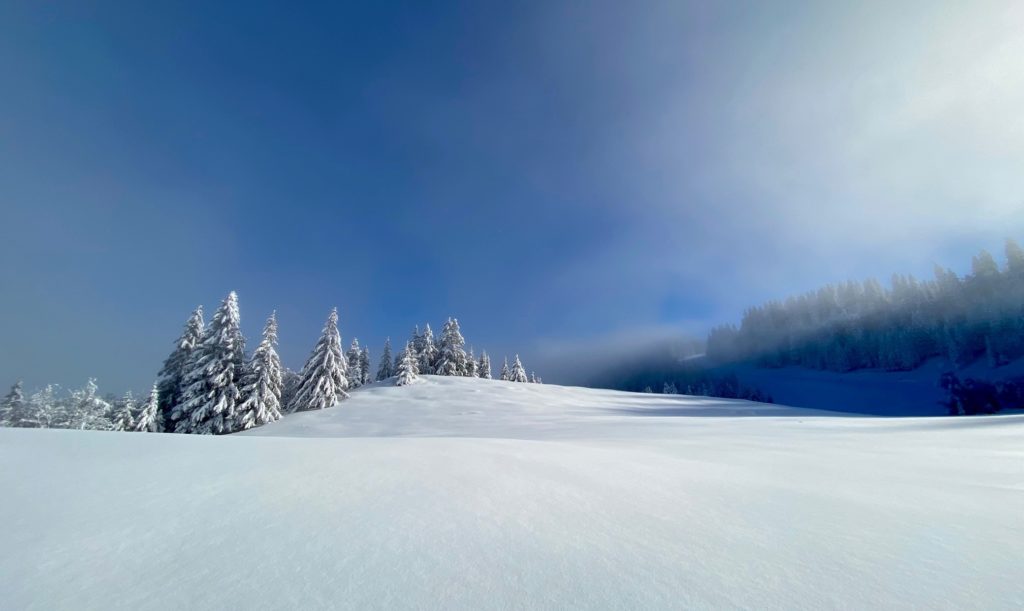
<point>478,494</point>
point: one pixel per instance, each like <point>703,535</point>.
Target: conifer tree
<point>452,360</point>
<point>407,367</point>
<point>210,391</point>
<point>169,380</point>
<point>290,386</point>
<point>506,373</point>
<point>41,410</point>
<point>86,410</point>
<point>517,374</point>
<point>426,352</point>
<point>1014,257</point>
<point>262,383</point>
<point>669,389</point>
<point>353,357</point>
<point>123,419</point>
<point>12,410</point>
<point>325,376</point>
<point>471,365</point>
<point>149,421</point>
<point>385,369</point>
<point>364,365</point>
<point>483,368</point>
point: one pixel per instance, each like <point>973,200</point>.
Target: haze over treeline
<point>856,325</point>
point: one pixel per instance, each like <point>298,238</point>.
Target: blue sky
<point>560,176</point>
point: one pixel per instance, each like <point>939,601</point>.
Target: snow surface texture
<point>461,493</point>
<point>867,391</point>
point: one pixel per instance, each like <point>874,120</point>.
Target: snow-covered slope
<point>474,494</point>
<point>867,391</point>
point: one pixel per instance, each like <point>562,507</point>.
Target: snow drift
<point>465,493</point>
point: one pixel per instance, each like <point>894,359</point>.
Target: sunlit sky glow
<point>554,174</point>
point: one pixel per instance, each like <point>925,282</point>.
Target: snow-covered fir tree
<point>364,365</point>
<point>43,410</point>
<point>86,410</point>
<point>124,419</point>
<point>210,388</point>
<point>352,357</point>
<point>169,380</point>
<point>471,365</point>
<point>669,389</point>
<point>426,352</point>
<point>517,373</point>
<point>483,368</point>
<point>290,385</point>
<point>452,360</point>
<point>407,366</point>
<point>325,376</point>
<point>148,420</point>
<point>533,378</point>
<point>506,373</point>
<point>12,410</point>
<point>262,383</point>
<point>647,390</point>
<point>416,339</point>
<point>385,369</point>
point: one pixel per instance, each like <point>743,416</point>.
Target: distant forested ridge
<point>856,325</point>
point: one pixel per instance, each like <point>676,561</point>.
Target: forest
<point>858,325</point>
<point>209,384</point>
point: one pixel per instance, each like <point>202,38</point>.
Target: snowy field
<point>472,494</point>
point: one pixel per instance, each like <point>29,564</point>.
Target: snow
<point>867,391</point>
<point>477,494</point>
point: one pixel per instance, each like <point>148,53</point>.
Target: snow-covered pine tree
<point>355,374</point>
<point>123,419</point>
<point>415,340</point>
<point>426,352</point>
<point>325,376</point>
<point>452,360</point>
<point>517,374</point>
<point>290,385</point>
<point>262,384</point>
<point>148,420</point>
<point>407,366</point>
<point>42,410</point>
<point>533,377</point>
<point>385,369</point>
<point>210,391</point>
<point>506,373</point>
<point>86,410</point>
<point>169,380</point>
<point>364,365</point>
<point>669,389</point>
<point>471,365</point>
<point>647,389</point>
<point>13,407</point>
<point>483,368</point>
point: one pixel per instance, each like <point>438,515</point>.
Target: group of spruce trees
<point>208,386</point>
<point>864,325</point>
<point>80,409</point>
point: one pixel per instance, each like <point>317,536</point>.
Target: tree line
<point>208,385</point>
<point>857,325</point>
